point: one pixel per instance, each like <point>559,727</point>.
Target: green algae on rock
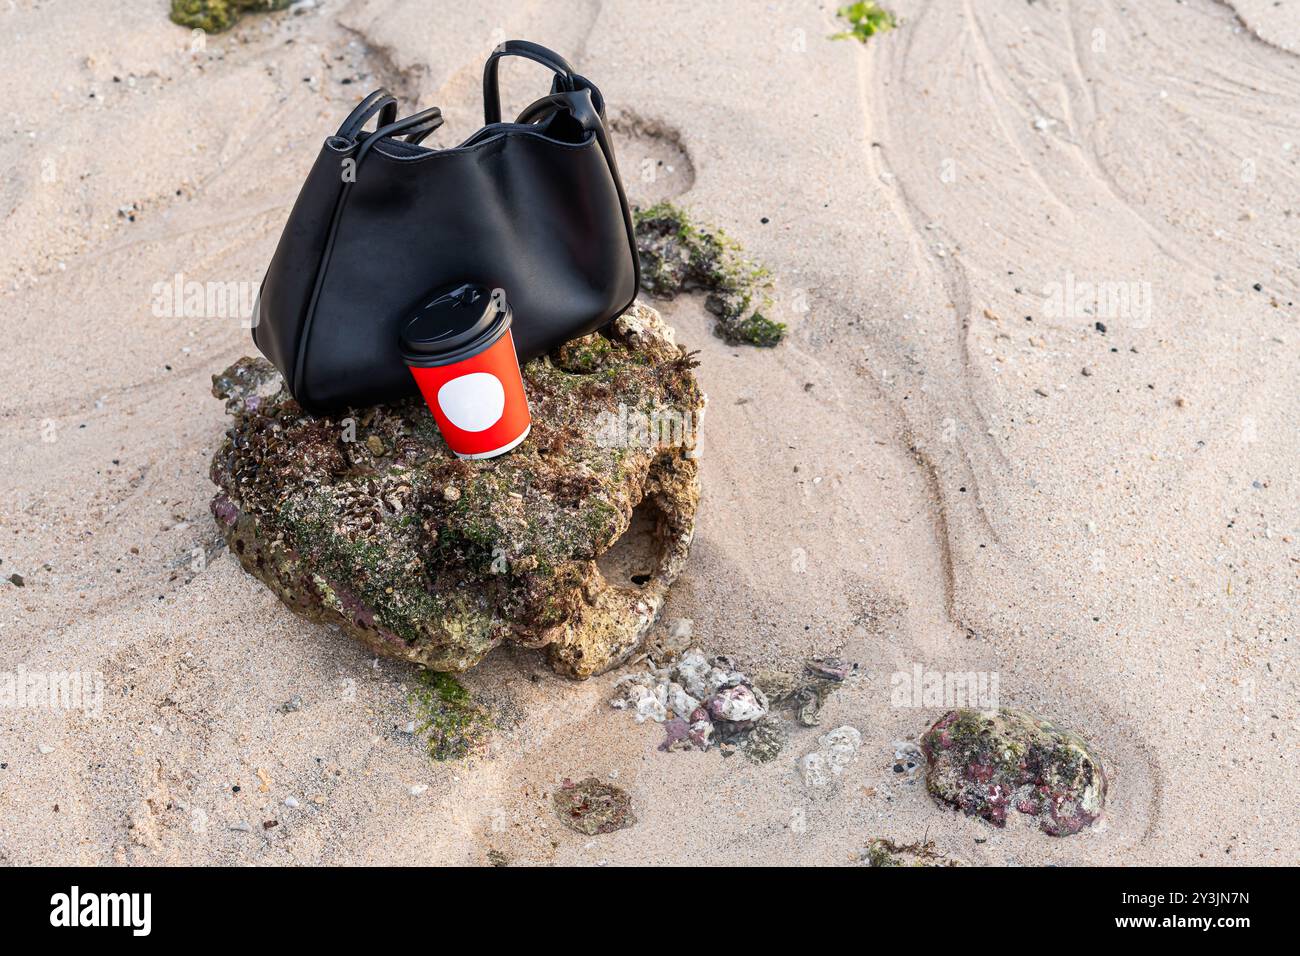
<point>436,560</point>
<point>985,763</point>
<point>593,807</point>
<point>214,16</point>
<point>678,256</point>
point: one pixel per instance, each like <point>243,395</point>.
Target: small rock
<point>835,751</point>
<point>907,757</point>
<point>291,705</point>
<point>418,789</point>
<point>765,741</point>
<point>292,803</point>
<point>376,445</point>
<point>688,734</point>
<point>241,827</point>
<point>45,749</point>
<point>738,704</point>
<point>17,580</point>
<point>593,807</point>
<point>986,763</point>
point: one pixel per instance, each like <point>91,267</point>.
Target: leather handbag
<point>535,207</point>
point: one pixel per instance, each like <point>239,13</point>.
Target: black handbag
<point>535,207</point>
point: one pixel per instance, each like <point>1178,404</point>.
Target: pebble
<point>836,750</point>
<point>1087,372</point>
<point>241,827</point>
<point>418,789</point>
<point>292,803</point>
<point>45,748</point>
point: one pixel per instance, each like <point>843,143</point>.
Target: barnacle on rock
<point>570,542</point>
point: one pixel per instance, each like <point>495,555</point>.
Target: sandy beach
<point>1036,416</point>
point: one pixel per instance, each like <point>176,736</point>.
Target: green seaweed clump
<point>866,18</point>
<point>455,725</point>
<point>215,16</point>
<point>679,256</point>
<point>887,853</point>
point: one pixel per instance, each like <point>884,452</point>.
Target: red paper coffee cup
<point>460,350</point>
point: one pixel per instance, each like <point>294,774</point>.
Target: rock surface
<point>679,256</point>
<point>366,520</point>
<point>985,763</point>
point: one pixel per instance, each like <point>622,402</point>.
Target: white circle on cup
<point>473,402</point>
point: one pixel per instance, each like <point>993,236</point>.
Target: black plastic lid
<point>454,324</point>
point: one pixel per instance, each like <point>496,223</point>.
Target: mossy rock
<point>679,256</point>
<point>214,16</point>
<point>986,763</point>
<point>366,520</point>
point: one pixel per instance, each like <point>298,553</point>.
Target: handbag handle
<point>416,127</point>
<point>380,101</point>
<point>532,51</point>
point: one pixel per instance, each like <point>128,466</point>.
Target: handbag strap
<point>415,127</point>
<point>532,51</point>
<point>380,101</point>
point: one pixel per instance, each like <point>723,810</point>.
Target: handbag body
<point>535,207</point>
